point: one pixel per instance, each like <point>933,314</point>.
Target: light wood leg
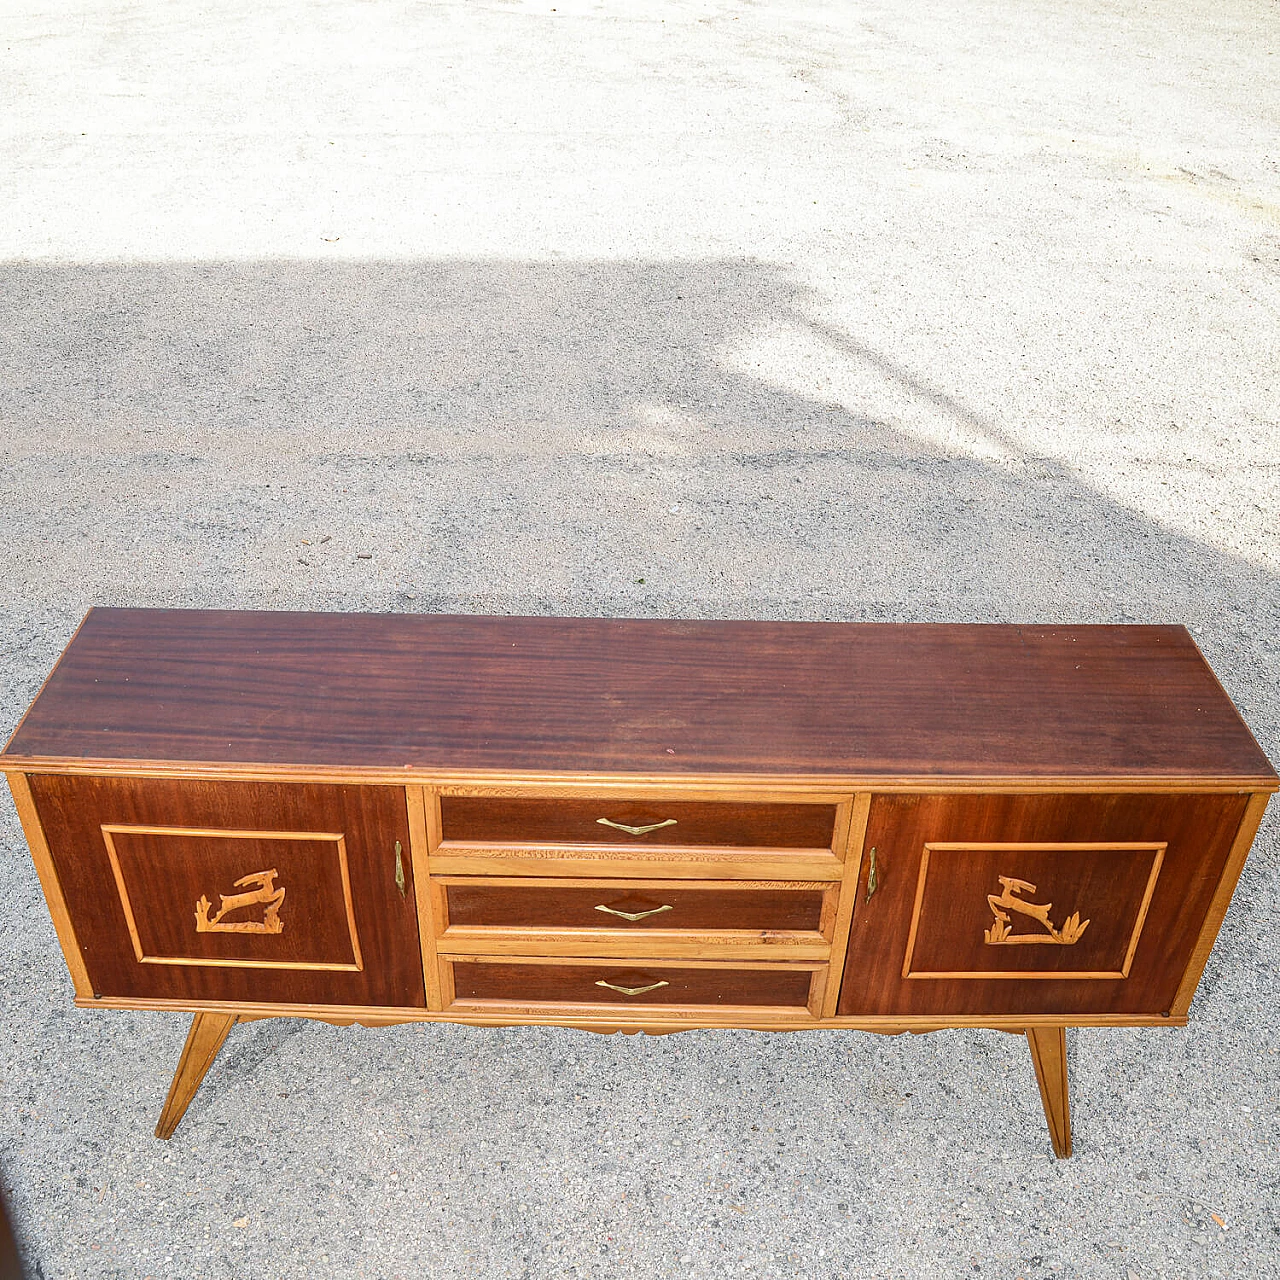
<point>1049,1056</point>
<point>208,1033</point>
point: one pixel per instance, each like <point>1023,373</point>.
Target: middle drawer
<point>488,915</point>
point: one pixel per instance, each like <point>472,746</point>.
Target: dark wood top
<point>550,695</point>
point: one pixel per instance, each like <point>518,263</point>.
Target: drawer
<point>672,919</point>
<point>631,986</point>
<point>634,906</point>
<point>484,820</point>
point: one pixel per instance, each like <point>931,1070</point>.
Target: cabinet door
<point>238,891</point>
<point>1016,904</point>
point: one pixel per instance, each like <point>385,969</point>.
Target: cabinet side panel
<point>30,819</point>
<point>1221,900</point>
<point>1034,904</point>
<point>200,890</point>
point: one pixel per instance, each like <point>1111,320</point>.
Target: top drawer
<point>506,821</point>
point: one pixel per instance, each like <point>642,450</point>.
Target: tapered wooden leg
<point>1049,1055</point>
<point>208,1033</point>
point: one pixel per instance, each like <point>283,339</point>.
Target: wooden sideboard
<point>635,825</point>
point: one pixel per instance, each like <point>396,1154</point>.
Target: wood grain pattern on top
<point>423,692</point>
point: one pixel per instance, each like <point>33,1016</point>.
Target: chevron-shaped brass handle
<point>635,831</point>
<point>632,991</point>
<point>633,915</point>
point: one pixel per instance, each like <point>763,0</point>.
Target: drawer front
<point>634,907</point>
<point>1049,904</point>
<point>630,986</point>
<point>229,891</point>
<point>635,823</point>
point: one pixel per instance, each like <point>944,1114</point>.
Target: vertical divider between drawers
<point>851,821</point>
<point>424,835</point>
<point>439,897</point>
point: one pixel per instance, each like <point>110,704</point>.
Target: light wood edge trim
<point>840,831</point>
<point>435,822</point>
<point>1156,863</point>
<point>440,907</point>
<point>915,912</point>
<point>443,972</point>
<point>1240,846</point>
<point>981,974</point>
<point>447,985</point>
<point>751,788</point>
<point>200,963</point>
<point>1155,847</point>
<point>351,908</point>
<point>221,833</point>
<point>625,962</point>
<point>851,856</point>
<point>44,684</point>
<point>123,893</point>
<point>819,981</point>
<point>726,944</point>
<point>830,906</point>
<point>419,803</point>
<point>629,852</point>
<point>25,804</point>
<point>686,1015</point>
<point>647,939</point>
<point>395,1016</point>
<point>826,870</point>
<point>1040,846</point>
<point>350,905</point>
<point>634,882</point>
<point>763,788</point>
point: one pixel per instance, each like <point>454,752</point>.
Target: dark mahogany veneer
<point>635,824</point>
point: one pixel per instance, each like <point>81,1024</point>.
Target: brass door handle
<point>399,871</point>
<point>873,875</point>
<point>632,915</point>
<point>635,831</point>
<point>632,991</point>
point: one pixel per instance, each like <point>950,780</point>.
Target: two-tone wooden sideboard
<point>635,825</point>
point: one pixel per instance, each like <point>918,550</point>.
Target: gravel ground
<point>857,310</point>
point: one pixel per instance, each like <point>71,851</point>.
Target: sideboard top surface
<point>418,692</point>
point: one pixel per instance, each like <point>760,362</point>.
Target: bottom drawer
<point>630,985</point>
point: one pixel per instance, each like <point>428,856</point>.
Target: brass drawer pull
<point>635,831</point>
<point>399,871</point>
<point>632,915</point>
<point>632,991</point>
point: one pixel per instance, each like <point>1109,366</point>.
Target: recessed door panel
<point>193,897</point>
<point>1034,911</point>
